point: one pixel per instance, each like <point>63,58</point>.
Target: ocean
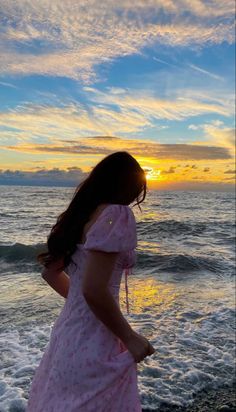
<point>181,291</point>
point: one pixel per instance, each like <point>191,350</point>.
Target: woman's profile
<point>90,362</point>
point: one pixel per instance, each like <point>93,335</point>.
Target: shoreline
<point>208,400</point>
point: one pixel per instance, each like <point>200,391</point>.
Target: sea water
<point>181,291</point>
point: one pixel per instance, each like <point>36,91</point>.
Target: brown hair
<point>116,179</point>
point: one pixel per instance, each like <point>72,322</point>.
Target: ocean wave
<point>20,252</point>
<point>177,263</point>
<point>180,263</point>
<point>26,255</point>
<point>172,227</point>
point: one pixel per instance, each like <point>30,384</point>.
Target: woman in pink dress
<point>90,362</point>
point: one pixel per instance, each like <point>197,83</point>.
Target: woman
<point>90,363</point>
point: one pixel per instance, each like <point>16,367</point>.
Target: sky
<point>82,79</point>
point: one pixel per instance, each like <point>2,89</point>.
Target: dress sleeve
<point>113,231</point>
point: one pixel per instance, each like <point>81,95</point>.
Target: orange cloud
<point>139,147</point>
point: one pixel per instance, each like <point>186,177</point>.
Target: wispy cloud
<point>164,62</point>
<point>184,103</point>
<point>5,84</point>
<point>217,133</point>
<point>71,38</point>
<point>110,112</point>
<point>199,69</point>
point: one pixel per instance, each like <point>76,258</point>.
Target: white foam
<point>21,352</point>
<point>200,355</point>
<point>192,354</point>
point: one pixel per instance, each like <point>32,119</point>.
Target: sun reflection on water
<point>149,295</point>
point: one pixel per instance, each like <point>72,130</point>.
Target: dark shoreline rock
<point>211,400</point>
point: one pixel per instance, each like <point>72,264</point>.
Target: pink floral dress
<point>85,367</point>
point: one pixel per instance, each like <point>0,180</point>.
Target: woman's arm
<point>96,292</point>
<point>57,278</point>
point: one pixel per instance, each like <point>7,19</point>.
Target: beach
<point>181,294</point>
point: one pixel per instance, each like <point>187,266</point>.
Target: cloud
<point>230,178</point>
<point>72,176</point>
<point>138,147</point>
<point>213,123</point>
<point>69,120</point>
<point>108,113</point>
<point>217,133</point>
<point>101,137</point>
<point>71,39</point>
<point>193,127</point>
<point>45,177</point>
<point>5,84</point>
<point>169,171</point>
<point>224,136</point>
<point>164,62</point>
<point>184,104</point>
<point>230,171</point>
<point>212,75</point>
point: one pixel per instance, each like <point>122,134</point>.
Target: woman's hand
<point>139,346</point>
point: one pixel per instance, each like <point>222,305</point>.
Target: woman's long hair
<point>116,179</point>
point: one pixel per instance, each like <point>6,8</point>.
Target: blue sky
<point>148,73</point>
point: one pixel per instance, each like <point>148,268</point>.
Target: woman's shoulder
<point>118,210</point>
<point>116,206</point>
<point>114,230</point>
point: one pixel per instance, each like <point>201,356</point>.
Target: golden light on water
<point>149,293</point>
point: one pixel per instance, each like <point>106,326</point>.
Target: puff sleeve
<point>113,231</point>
